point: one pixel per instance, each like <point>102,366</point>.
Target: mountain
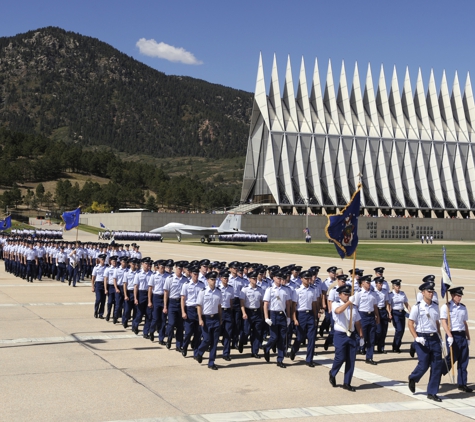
<point>76,88</point>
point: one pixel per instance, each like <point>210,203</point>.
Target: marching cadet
<point>61,261</point>
<point>325,325</point>
<point>129,296</point>
<point>378,272</point>
<point>141,281</point>
<point>204,267</point>
<point>189,312</point>
<point>109,287</point>
<point>155,298</point>
<point>227,298</point>
<point>333,296</point>
<point>425,328</point>
<point>367,303</point>
<point>398,300</point>
<point>277,306</point>
<point>209,315</point>
<point>31,260</point>
<point>237,284</point>
<point>345,337</point>
<point>97,283</point>
<point>41,253</point>
<point>73,267</point>
<point>251,307</point>
<point>172,305</point>
<point>458,337</point>
<point>384,309</point>
<point>118,277</point>
<point>305,315</point>
<point>296,278</point>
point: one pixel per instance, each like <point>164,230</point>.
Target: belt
<point>226,309</point>
<point>176,300</point>
<point>381,308</point>
<point>29,260</point>
<point>398,310</point>
<point>458,332</point>
<point>304,312</point>
<point>210,316</point>
<point>252,309</point>
<point>190,306</point>
<point>277,312</point>
<point>158,295</point>
<point>426,334</point>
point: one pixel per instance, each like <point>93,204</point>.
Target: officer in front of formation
<point>458,337</point>
<point>210,319</point>
<point>425,328</point>
<point>305,316</point>
<point>97,283</point>
<point>251,307</point>
<point>277,307</point>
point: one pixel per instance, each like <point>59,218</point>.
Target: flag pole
<point>450,329</point>
<point>353,275</point>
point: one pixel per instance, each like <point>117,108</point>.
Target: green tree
<point>40,192</point>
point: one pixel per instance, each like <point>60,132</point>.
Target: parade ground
<point>59,363</point>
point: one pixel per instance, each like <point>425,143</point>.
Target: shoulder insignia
<point>461,304</point>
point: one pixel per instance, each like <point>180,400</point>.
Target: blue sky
<point>224,38</point>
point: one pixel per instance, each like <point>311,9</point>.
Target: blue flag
<point>446,280</point>
<point>102,225</point>
<point>6,223</point>
<point>71,218</point>
<point>342,229</point>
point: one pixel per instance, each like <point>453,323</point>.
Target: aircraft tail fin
<point>231,223</point>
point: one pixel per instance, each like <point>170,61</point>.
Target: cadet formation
<point>274,311</point>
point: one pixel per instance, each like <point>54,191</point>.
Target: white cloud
<point>164,51</point>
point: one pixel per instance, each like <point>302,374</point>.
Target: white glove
<point>468,342</point>
<point>421,340</point>
<point>352,299</point>
<point>361,342</point>
<point>288,322</point>
<point>450,341</point>
<point>269,322</point>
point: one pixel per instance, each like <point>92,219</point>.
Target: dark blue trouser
<point>119,302</point>
<point>142,312</point>
<point>61,272</point>
<point>237,316</point>
<point>278,334</point>
<point>368,325</point>
<point>192,327</point>
<point>381,329</point>
<point>39,273</point>
<point>429,355</point>
<point>460,352</point>
<point>100,297</point>
<point>210,333</point>
<point>157,313</point>
<point>129,307</point>
<point>175,321</point>
<point>73,274</point>
<point>30,270</point>
<point>345,353</point>
<point>54,268</point>
<point>110,298</point>
<point>252,326</point>
<point>227,330</point>
<point>307,329</point>
<point>399,323</point>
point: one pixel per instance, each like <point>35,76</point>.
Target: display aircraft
<point>231,224</point>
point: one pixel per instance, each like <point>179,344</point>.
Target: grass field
<point>458,256</point>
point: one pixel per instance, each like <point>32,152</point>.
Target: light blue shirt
<point>157,282</point>
<point>227,296</point>
<point>119,275</point>
<point>173,286</point>
<point>305,296</point>
<point>365,300</point>
<point>109,273</point>
<point>397,300</point>
<point>458,315</point>
<point>383,297</point>
<point>190,292</point>
<point>238,283</point>
<point>342,320</point>
<point>277,298</point>
<point>209,300</point>
<point>142,278</point>
<point>252,297</point>
<point>425,317</point>
<point>99,271</point>
<point>129,279</point>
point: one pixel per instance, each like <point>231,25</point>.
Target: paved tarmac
<point>59,363</point>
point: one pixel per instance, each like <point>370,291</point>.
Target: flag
<point>71,218</point>
<point>342,229</point>
<point>446,280</point>
<point>102,225</point>
<point>6,223</point>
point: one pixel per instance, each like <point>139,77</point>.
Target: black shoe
<point>69,283</point>
<point>135,330</point>
<point>146,336</point>
<point>320,331</point>
<point>332,379</point>
<point>169,344</point>
<point>178,349</point>
<point>161,343</point>
<point>434,397</point>
<point>281,365</point>
<point>465,389</point>
<point>213,367</point>
<point>114,320</point>
<point>412,386</point>
<point>184,351</point>
<point>125,324</point>
<point>240,347</point>
<point>95,315</point>
<point>274,349</point>
<point>310,364</point>
<point>198,358</point>
<point>349,387</point>
<point>152,336</point>
<point>266,355</point>
<point>325,345</point>
<point>412,351</point>
<point>370,362</point>
<point>227,358</point>
<point>381,352</point>
<point>108,317</point>
<point>256,355</point>
<point>292,355</point>
<point>101,316</point>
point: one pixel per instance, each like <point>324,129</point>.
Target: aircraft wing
<point>196,230</point>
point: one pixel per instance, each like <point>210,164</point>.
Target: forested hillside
<point>80,90</point>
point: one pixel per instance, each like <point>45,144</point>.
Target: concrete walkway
<point>59,363</point>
